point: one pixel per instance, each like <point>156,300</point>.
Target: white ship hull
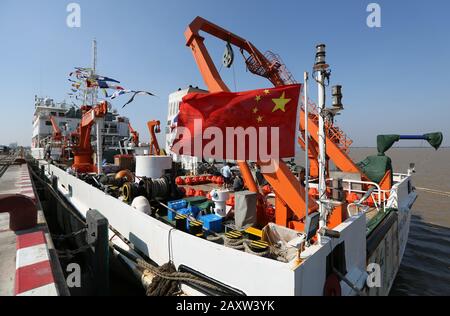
<point>245,272</point>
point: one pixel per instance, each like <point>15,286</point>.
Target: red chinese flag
<point>251,125</point>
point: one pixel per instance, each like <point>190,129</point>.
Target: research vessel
<point>331,227</point>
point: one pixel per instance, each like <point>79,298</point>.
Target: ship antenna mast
<point>305,104</point>
<point>100,121</point>
<point>94,70</point>
<point>321,69</point>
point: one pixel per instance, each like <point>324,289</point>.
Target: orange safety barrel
<point>188,180</point>
<point>219,180</point>
<point>191,192</point>
<point>352,197</point>
<point>179,181</point>
<point>200,193</point>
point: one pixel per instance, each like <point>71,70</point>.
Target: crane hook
<point>228,56</point>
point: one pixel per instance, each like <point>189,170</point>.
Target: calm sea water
<point>425,269</point>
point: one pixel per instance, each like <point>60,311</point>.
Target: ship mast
<point>305,104</point>
<point>100,121</point>
<point>321,68</point>
<point>94,70</point>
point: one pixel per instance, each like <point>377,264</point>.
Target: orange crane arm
<point>134,134</point>
<point>57,135</point>
<point>285,185</point>
<point>154,127</point>
<point>207,68</point>
<point>88,120</point>
<point>83,150</point>
<point>215,83</point>
<point>339,157</point>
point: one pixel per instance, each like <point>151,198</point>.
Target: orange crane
<point>57,135</point>
<point>290,197</point>
<point>154,127</point>
<point>134,134</point>
<point>83,151</point>
<point>290,205</point>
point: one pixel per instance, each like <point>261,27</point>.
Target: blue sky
<point>395,78</point>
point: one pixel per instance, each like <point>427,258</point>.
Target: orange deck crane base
<point>83,151</point>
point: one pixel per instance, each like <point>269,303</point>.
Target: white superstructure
<point>65,116</point>
<point>175,98</point>
<point>68,117</point>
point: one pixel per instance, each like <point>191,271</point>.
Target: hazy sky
<point>395,78</point>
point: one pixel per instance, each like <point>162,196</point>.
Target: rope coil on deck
<point>234,240</point>
<point>248,249</point>
<point>215,239</point>
<point>167,280</point>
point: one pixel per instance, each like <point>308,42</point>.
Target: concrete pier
<point>28,262</point>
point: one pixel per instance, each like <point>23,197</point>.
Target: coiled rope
<point>167,280</point>
<point>216,239</point>
<point>237,244</point>
<point>265,253</point>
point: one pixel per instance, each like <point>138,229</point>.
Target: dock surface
<point>26,265</point>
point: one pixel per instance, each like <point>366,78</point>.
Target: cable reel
<point>127,192</point>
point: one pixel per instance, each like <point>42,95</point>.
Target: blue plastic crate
<point>183,211</point>
<point>212,222</point>
<point>177,205</point>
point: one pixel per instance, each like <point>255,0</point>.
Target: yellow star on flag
<point>259,119</point>
<point>280,103</point>
<point>255,110</point>
<point>258,98</point>
<point>266,91</point>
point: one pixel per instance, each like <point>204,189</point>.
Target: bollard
<point>55,183</point>
<point>97,236</point>
<point>22,211</point>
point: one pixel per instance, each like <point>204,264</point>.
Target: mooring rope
<point>166,281</point>
<point>237,244</point>
<point>265,253</point>
<point>215,239</point>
